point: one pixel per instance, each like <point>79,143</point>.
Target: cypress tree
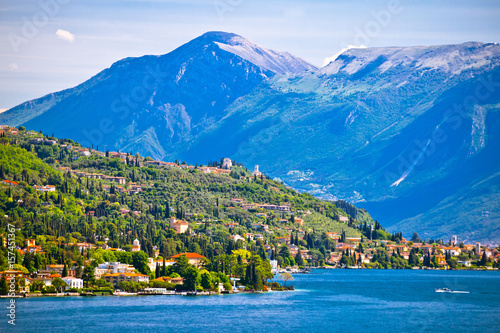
<point>413,259</point>
<point>37,263</point>
<point>3,286</point>
<point>254,275</point>
<point>27,260</point>
<point>298,259</point>
<point>484,259</point>
<point>248,274</point>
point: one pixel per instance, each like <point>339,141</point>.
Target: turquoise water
<point>325,301</point>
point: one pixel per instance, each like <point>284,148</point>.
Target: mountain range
<point>410,133</point>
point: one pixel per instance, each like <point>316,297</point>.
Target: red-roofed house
<point>168,279</point>
<point>9,182</point>
<point>193,258</point>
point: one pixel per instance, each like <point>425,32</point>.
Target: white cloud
<point>13,66</point>
<point>65,35</point>
<point>335,56</point>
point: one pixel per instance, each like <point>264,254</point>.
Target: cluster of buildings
<point>247,206</point>
<point>41,188</point>
<point>224,169</point>
<point>45,188</point>
<point>404,247</point>
<point>203,169</point>
<point>6,129</point>
<point>111,272</point>
<point>116,272</point>
<point>45,276</point>
<point>116,179</point>
<point>42,141</point>
<point>133,189</point>
<point>77,151</point>
<point>226,166</point>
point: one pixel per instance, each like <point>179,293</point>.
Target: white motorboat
<point>446,290</point>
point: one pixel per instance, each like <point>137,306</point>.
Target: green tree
<point>157,271</point>
<point>4,290</point>
<point>413,260</point>
<point>434,261</point>
<point>88,276</point>
<point>416,238</point>
<point>191,278</point>
<point>227,286</point>
<point>28,262</point>
<point>164,269</point>
<point>101,283</point>
<point>49,289</point>
<point>298,258</point>
<point>452,262</point>
<point>484,259</point>
<point>130,286</point>
<point>65,271</point>
<point>284,251</point>
<point>181,264</point>
<point>58,283</point>
<point>140,262</point>
<point>37,285</point>
<point>206,280</point>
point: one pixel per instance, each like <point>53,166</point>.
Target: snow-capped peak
<point>278,62</point>
<point>336,55</point>
<point>449,58</point>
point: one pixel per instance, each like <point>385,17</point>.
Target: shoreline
<point>413,268</point>
<point>210,293</point>
<point>125,294</point>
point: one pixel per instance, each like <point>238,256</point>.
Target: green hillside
<point>85,209</point>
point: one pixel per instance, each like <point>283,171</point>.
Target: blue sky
<point>50,45</point>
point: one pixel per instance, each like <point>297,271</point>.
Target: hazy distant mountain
<point>382,127</point>
<point>411,134</point>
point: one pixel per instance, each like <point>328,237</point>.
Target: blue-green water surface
<point>324,301</point>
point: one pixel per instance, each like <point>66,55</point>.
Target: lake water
<point>325,301</point>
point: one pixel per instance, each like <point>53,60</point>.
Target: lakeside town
<point>78,221</point>
<point>120,279</point>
